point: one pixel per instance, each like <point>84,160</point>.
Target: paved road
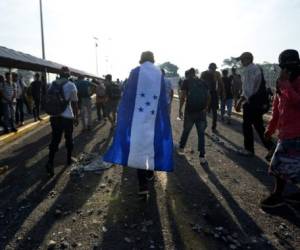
<point>210,207</point>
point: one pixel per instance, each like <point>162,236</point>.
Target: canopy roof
<point>10,58</point>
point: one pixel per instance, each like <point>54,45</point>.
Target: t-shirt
<point>228,87</point>
<point>70,93</point>
<point>19,88</point>
<point>212,79</point>
<point>84,88</point>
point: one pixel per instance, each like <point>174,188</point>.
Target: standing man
<point>252,79</point>
<point>143,135</point>
<point>195,93</point>
<point>214,82</point>
<point>8,92</point>
<point>20,92</point>
<point>84,94</point>
<point>36,92</point>
<point>63,123</point>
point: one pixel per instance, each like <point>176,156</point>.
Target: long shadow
<point>132,218</point>
<point>253,165</point>
<point>196,191</point>
<point>37,177</point>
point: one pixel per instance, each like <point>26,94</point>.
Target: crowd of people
<point>139,113</point>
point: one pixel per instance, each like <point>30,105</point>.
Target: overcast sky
<point>189,33</point>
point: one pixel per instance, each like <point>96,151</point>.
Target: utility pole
<point>42,30</point>
<point>96,50</point>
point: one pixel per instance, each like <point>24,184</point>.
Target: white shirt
<point>70,93</point>
<point>251,79</point>
<point>19,89</point>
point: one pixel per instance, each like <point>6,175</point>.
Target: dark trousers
<point>199,119</point>
<point>36,108</point>
<point>19,114</point>
<point>142,175</point>
<point>214,105</point>
<point>253,118</point>
<point>8,116</point>
<point>60,126</point>
<point>101,110</point>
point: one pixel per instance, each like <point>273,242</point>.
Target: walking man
<point>101,99</point>
<point>85,100</point>
<point>195,93</point>
<point>36,92</point>
<point>143,136</point>
<point>63,123</point>
<point>236,85</point>
<point>20,91</point>
<point>252,80</point>
<point>226,102</point>
<point>214,82</point>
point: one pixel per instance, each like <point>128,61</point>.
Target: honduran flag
<point>143,135</point>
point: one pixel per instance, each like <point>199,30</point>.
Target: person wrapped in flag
<point>143,135</point>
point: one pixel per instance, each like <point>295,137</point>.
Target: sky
<point>188,33</point>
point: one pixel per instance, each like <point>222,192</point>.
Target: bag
<point>115,91</point>
<point>261,100</point>
<point>83,88</point>
<point>101,90</point>
<point>55,102</point>
<point>197,95</point>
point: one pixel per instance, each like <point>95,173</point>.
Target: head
<point>147,56</point>
<point>246,58</point>
<point>212,67</point>
<point>108,78</point>
<point>80,77</point>
<point>225,72</point>
<point>289,63</point>
<point>186,74</point>
<point>14,77</point>
<point>65,72</point>
<point>192,73</point>
<point>233,70</point>
<point>37,76</point>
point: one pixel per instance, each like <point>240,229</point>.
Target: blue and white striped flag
<point>143,135</point>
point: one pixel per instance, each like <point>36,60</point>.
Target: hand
<point>180,114</point>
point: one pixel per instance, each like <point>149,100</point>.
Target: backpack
<point>101,90</point>
<point>83,88</point>
<point>197,95</point>
<point>115,91</point>
<point>261,100</point>
<point>55,102</point>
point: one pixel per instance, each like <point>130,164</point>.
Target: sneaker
<point>274,200</point>
<point>293,198</point>
<point>180,151</point>
<point>50,169</point>
<point>13,129</point>
<point>203,161</point>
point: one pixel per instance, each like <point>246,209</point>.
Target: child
<point>285,164</point>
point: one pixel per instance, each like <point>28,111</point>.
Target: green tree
<point>231,62</point>
<point>170,69</point>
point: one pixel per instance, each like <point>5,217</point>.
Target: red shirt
<point>286,111</point>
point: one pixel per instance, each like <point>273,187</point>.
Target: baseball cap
<point>289,57</point>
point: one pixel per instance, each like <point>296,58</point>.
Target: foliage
<point>170,69</point>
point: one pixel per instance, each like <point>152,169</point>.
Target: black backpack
<point>55,102</point>
<point>115,91</point>
<point>260,101</point>
<point>197,95</point>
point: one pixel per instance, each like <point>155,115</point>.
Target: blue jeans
<point>199,119</point>
<point>8,114</point>
<point>226,103</point>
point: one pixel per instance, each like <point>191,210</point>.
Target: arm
<point>274,120</point>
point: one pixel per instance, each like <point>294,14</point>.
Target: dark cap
<point>245,55</point>
<point>65,72</point>
<point>289,57</point>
